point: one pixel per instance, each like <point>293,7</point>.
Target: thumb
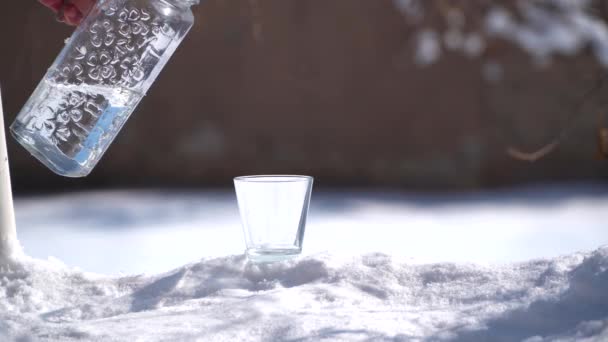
<point>84,6</point>
<point>52,4</point>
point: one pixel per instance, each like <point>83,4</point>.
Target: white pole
<point>9,246</point>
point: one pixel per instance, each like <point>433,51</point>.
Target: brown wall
<point>326,88</point>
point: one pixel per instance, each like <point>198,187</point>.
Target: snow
<point>542,28</point>
<point>412,9</point>
<point>510,265</point>
<point>545,33</point>
<point>127,231</point>
<point>427,48</point>
<point>370,298</point>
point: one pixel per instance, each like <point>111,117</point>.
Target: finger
<point>84,6</point>
<point>55,5</point>
<point>71,15</point>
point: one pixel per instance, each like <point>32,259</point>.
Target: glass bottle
<point>104,70</point>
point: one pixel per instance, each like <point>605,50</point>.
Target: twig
<point>516,153</point>
<point>532,156</point>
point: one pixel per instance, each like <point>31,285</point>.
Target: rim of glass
<point>273,178</point>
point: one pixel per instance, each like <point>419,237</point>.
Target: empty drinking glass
<point>273,213</point>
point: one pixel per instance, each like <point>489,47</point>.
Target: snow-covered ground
<point>378,267</point>
<point>151,231</point>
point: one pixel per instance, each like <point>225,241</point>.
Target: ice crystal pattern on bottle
<point>98,79</point>
<point>114,52</point>
<point>111,55</point>
<point>68,125</point>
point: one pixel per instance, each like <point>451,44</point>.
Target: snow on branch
<point>542,28</point>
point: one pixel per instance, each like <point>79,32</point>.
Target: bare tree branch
<point>576,113</point>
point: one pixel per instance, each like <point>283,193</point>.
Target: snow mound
<point>373,297</point>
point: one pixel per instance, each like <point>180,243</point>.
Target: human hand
<point>70,12</point>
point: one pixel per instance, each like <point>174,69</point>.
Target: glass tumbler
<point>273,212</point>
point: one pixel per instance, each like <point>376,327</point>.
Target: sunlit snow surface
<point>151,231</point>
<point>445,268</point>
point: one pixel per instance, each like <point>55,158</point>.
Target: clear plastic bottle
<point>98,79</point>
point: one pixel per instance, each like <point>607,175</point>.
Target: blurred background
<point>460,131</point>
<point>425,95</point>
